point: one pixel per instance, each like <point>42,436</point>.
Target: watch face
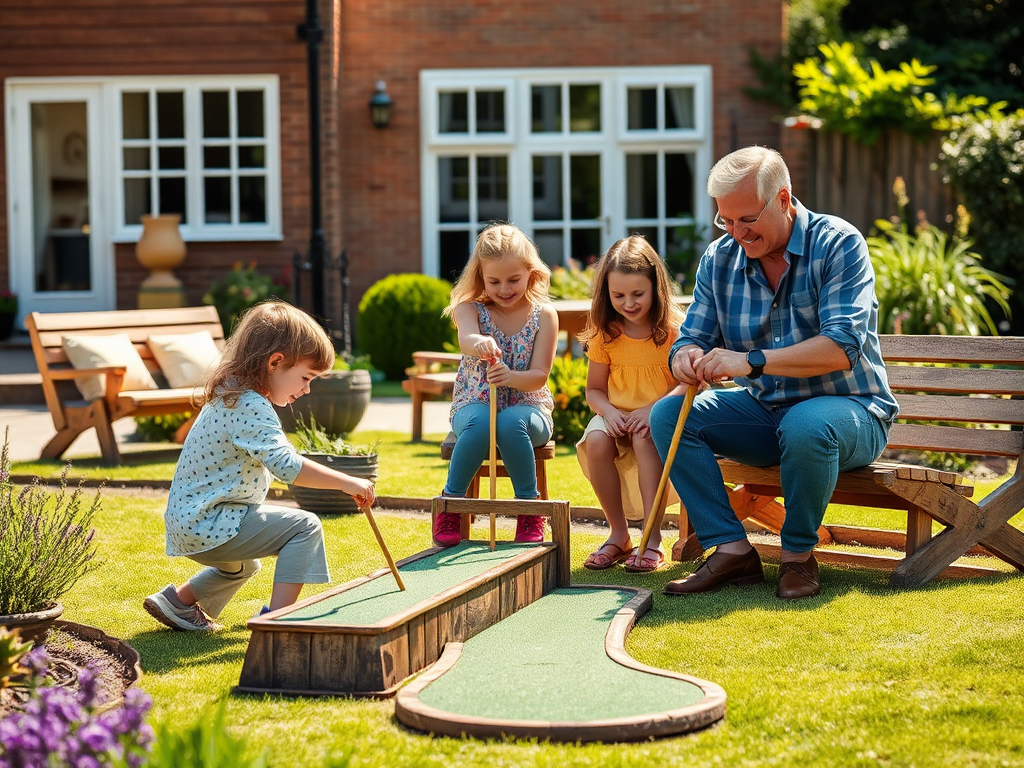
<point>756,358</point>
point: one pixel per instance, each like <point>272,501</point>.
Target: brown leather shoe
<point>799,579</point>
<point>717,571</point>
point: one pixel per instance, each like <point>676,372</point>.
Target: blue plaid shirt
<point>827,290</point>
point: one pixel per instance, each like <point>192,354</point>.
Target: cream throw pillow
<point>187,359</point>
<point>86,352</point>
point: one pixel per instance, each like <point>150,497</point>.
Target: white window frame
<point>195,228</point>
<point>613,142</point>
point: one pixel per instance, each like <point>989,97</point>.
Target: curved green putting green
<point>557,670</point>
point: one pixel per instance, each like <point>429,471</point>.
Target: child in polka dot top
<point>216,511</point>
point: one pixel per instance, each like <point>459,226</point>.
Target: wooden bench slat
<point>988,381</point>
<point>977,442</point>
<point>979,410</point>
<point>54,344</point>
<point>116,320</point>
<point>953,349</point>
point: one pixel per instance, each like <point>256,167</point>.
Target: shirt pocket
<point>805,313</point>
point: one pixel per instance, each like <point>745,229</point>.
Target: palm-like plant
<point>930,282</point>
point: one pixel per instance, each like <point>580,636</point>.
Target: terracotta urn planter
<point>161,249</point>
<point>327,502</point>
<point>337,400</point>
<point>33,626</point>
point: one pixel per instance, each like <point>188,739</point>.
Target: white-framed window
<point>205,148</point>
<point>576,157</point>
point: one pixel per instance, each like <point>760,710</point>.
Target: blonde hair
<point>631,255</point>
<point>496,243</point>
<point>736,167</point>
<point>262,331</point>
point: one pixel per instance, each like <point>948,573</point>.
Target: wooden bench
<point>71,414</point>
<point>956,394</point>
<point>425,383</point>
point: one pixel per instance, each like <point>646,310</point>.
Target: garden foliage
<point>401,314</point>
<point>46,541</point>
<point>160,429</point>
<point>240,289</point>
<point>568,383</point>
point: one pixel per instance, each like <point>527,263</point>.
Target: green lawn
<point>862,675</point>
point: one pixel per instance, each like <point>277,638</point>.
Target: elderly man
<point>785,306</point>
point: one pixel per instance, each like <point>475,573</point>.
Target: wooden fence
<point>853,181</point>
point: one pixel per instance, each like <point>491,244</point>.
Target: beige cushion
<point>186,359</point>
<point>86,352</point>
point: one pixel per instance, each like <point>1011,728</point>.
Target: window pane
<point>216,157</point>
<point>453,188</point>
<point>490,111</point>
<point>679,185</point>
<point>172,197</point>
<point>252,157</point>
<point>135,115</point>
<point>642,186</point>
<point>546,109</point>
<point>170,115</point>
<point>216,116</point>
<point>250,113</point>
<point>584,107</point>
<point>453,112</point>
<point>547,188</point>
<point>136,200</point>
<point>492,188</point>
<point>136,158</point>
<point>171,158</point>
<point>585,186</point>
<point>454,253</point>
<point>550,244</point>
<point>586,246</point>
<point>679,110</point>
<point>643,109</point>
<point>252,199</point>
<point>650,233</point>
<point>217,191</point>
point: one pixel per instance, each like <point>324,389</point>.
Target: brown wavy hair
<point>497,242</point>
<point>263,330</point>
<point>631,255</point>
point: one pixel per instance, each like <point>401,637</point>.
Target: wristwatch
<point>756,361</point>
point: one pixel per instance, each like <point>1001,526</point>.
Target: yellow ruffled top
<point>639,373</point>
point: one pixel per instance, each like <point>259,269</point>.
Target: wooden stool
<point>540,454</point>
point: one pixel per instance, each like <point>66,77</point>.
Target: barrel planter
<point>337,400</point>
<point>330,502</point>
<point>33,626</point>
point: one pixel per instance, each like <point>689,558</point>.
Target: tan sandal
<point>646,564</point>
<point>602,561</point>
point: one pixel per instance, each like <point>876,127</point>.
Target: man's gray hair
<point>736,167</point>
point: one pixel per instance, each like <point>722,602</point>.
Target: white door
<point>61,257</point>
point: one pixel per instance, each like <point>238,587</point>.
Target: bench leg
<point>687,547</point>
<point>919,529</point>
<point>76,421</point>
<point>542,478</point>
<point>108,443</point>
<point>417,415</point>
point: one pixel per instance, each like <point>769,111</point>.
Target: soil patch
<point>73,647</point>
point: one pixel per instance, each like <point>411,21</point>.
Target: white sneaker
<point>162,608</point>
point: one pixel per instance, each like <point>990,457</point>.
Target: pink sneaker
<point>447,529</point>
<point>529,529</point>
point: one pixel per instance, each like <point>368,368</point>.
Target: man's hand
<point>683,365</point>
<point>720,364</point>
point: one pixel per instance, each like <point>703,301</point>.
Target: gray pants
<point>293,535</point>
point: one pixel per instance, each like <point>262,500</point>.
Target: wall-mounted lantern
<point>380,106</point>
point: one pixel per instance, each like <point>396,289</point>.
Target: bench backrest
<point>975,382</point>
<point>46,330</point>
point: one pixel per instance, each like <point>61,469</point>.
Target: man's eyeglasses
<point>744,222</point>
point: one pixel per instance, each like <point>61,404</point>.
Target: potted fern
<point>332,450</point>
<point>46,546</point>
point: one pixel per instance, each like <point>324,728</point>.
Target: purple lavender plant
<point>61,726</point>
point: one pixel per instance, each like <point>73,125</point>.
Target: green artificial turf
<point>553,667</point>
<point>374,601</point>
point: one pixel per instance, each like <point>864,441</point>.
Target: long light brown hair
<point>495,243</point>
<point>263,330</point>
<point>631,255</point>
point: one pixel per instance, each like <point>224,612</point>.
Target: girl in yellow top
<point>633,323</point>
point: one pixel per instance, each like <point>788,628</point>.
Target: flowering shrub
<point>568,383</point>
<point>44,548</point>
<point>159,429</point>
<point>240,289</point>
<point>571,283</point>
<point>8,301</point>
<point>65,726</point>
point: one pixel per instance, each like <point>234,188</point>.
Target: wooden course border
<point>412,711</point>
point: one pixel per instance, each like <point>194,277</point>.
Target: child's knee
<point>246,570</point>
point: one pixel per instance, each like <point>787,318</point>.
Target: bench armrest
<point>69,374</point>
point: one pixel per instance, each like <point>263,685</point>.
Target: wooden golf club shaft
<point>493,397</point>
<point>383,547</point>
<point>656,511</point>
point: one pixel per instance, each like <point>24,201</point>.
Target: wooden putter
<point>656,511</point>
<point>383,547</point>
<point>493,398</point>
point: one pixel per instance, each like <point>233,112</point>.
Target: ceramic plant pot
<point>337,400</point>
<point>33,626</point>
<point>328,502</point>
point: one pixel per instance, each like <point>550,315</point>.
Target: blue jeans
<point>520,429</point>
<point>811,442</point>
